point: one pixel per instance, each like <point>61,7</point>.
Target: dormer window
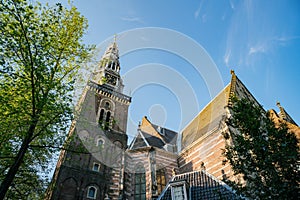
<point>179,190</point>
<point>161,130</point>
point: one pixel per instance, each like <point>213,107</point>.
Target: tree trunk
<point>9,177</point>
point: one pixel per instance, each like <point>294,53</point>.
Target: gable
<point>139,142</point>
<point>147,127</point>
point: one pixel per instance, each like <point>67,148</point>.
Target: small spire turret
<point>284,115</point>
<point>282,111</point>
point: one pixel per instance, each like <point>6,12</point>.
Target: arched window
<point>109,65</point>
<point>101,116</point>
<point>140,183</point>
<point>106,114</point>
<point>91,192</point>
<point>107,106</point>
<point>100,143</point>
<point>68,189</point>
<point>107,121</point>
<point>160,179</point>
<point>96,167</point>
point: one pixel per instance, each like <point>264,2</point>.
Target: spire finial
<point>278,104</point>
<point>232,72</point>
<point>115,38</point>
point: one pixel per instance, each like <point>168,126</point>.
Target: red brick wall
<point>206,151</point>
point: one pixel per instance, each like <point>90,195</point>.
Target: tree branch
<point>31,62</point>
<point>56,147</point>
<point>45,125</point>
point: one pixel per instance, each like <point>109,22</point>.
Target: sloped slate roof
<point>169,136</point>
<point>153,135</point>
<point>153,141</point>
<point>150,139</point>
<point>207,119</point>
<point>202,185</point>
<point>214,111</point>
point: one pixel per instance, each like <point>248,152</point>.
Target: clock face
<point>112,80</point>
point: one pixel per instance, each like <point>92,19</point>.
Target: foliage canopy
<point>41,51</point>
<point>263,155</point>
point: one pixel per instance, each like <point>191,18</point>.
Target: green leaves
<point>264,156</point>
<point>41,51</point>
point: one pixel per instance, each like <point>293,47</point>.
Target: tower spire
<point>112,51</point>
<point>108,70</point>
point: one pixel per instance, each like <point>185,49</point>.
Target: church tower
<point>91,166</point>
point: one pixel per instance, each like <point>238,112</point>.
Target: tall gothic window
<point>101,116</point>
<point>160,180</point>
<point>140,183</point>
<point>105,116</point>
<point>107,120</point>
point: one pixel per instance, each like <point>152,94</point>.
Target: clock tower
<point>91,166</point>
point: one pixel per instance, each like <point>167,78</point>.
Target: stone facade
<point>92,164</point>
<point>154,149</point>
<point>153,160</point>
<point>97,163</point>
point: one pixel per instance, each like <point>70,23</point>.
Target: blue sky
<point>260,40</point>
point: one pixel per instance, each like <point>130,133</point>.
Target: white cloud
<point>227,57</point>
<point>259,48</point>
<point>132,19</point>
<point>197,12</point>
<point>204,18</point>
<point>232,5</point>
<point>223,17</point>
<point>285,39</point>
<point>269,44</point>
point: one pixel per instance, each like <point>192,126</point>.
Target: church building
<point>97,162</point>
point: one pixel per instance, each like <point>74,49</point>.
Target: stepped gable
<point>197,185</point>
